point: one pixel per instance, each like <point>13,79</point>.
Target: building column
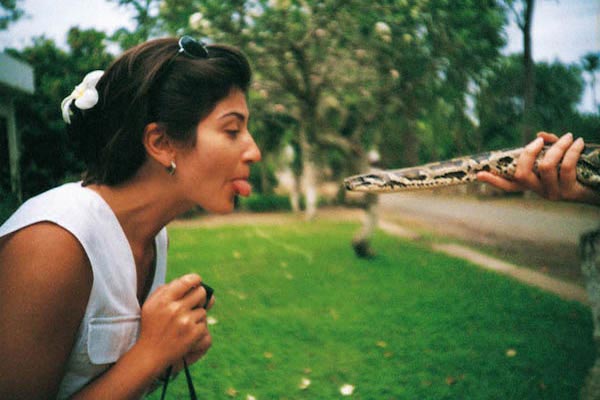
<point>14,154</point>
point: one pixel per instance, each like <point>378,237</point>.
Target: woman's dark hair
<point>152,82</point>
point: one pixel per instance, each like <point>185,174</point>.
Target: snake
<point>464,169</point>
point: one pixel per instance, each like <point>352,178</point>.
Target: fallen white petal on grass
<point>347,389</point>
<point>211,320</point>
<point>250,397</point>
<point>511,353</point>
<point>304,384</point>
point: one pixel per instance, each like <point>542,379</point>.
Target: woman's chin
<point>225,208</point>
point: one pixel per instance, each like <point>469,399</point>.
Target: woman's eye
<point>232,132</point>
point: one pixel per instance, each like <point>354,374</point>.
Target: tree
<point>523,14</point>
<point>9,12</point>
<point>147,22</point>
<point>434,52</point>
<point>559,89</point>
<point>591,65</point>
<point>48,156</point>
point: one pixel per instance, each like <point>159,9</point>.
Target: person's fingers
<point>548,137</point>
<point>499,182</point>
<point>198,315</point>
<point>181,286</point>
<point>199,348</point>
<point>524,174</point>
<point>568,167</point>
<point>548,166</point>
<point>195,297</point>
<point>211,303</point>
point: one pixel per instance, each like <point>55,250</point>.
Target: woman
<point>84,311</point>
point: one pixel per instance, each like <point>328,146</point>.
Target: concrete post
<point>7,110</point>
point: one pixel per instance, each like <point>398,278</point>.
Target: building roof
<point>15,75</point>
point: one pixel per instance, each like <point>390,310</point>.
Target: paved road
<point>530,219</point>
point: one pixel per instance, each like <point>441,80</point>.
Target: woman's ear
<point>158,145</point>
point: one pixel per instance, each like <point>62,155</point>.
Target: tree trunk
<point>309,178</point>
<point>590,266</point>
<point>295,193</point>
<point>529,75</point>
<point>309,182</point>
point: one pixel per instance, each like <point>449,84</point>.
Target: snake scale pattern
<point>464,169</point>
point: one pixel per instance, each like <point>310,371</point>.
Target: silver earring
<point>171,168</point>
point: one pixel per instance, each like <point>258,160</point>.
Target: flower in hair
<point>85,95</point>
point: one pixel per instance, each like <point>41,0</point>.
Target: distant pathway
<point>562,223</point>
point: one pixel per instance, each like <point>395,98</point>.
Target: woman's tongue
<point>242,187</point>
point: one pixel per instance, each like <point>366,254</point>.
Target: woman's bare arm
<point>45,282</point>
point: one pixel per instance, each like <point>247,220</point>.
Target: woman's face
<point>216,169</point>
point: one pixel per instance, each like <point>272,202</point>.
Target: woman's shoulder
<point>70,206</point>
<point>45,241</point>
<point>46,261</point>
<point>45,266</point>
<point>66,197</point>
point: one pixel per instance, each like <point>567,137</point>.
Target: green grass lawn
<point>294,303</point>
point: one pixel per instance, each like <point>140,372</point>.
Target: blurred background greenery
<point>414,80</point>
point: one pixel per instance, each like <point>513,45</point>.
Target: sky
<point>563,30</point>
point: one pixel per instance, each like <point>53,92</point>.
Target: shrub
<point>265,202</point>
<point>8,205</point>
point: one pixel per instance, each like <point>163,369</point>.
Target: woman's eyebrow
<point>236,114</point>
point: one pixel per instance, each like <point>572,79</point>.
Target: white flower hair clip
<point>84,94</point>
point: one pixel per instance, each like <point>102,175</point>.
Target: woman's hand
<point>173,326</point>
<point>173,322</point>
<point>550,182</point>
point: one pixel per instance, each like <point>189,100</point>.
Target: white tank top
<point>111,322</point>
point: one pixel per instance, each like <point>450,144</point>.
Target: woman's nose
<point>253,154</point>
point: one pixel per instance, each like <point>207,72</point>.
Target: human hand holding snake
<point>550,181</point>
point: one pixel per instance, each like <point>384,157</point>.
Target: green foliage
<point>265,202</point>
<point>434,51</point>
<point>8,205</point>
<point>262,177</point>
<point>147,22</point>
<point>48,156</point>
<point>9,12</point>
<point>558,91</point>
<point>293,302</point>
